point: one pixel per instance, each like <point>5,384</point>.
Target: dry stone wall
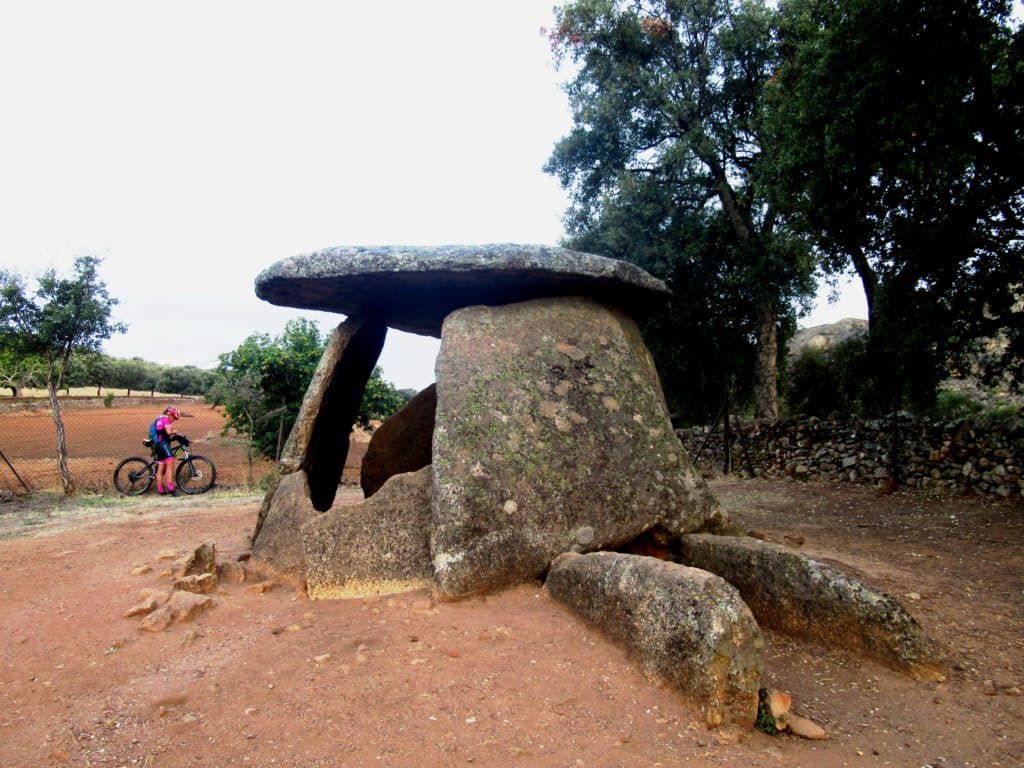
<point>956,457</point>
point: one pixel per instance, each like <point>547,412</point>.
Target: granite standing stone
<point>551,435</point>
<point>400,444</point>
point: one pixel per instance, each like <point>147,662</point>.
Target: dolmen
<point>544,450</point>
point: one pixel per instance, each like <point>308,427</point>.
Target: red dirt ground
<point>509,680</point>
<point>98,438</point>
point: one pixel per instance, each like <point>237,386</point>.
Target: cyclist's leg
<point>164,467</point>
<point>165,476</point>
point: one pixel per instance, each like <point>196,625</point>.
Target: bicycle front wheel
<point>133,476</point>
<point>195,474</point>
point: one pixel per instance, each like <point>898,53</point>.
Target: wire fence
<point>99,435</point>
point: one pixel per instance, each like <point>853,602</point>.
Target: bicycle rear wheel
<point>133,476</point>
<point>195,474</point>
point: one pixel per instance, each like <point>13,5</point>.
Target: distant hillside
<point>825,337</point>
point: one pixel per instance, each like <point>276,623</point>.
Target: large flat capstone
<point>414,288</point>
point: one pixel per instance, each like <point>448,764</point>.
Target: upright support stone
<point>318,442</point>
<point>327,446</point>
<point>400,444</point>
<point>278,546</point>
<point>551,435</point>
<point>803,597</point>
<point>379,547</point>
<point>687,628</point>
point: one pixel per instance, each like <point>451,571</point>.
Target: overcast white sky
<point>193,144</point>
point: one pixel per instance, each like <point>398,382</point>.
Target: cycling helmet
<point>171,411</point>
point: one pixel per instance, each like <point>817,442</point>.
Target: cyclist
<point>161,431</point>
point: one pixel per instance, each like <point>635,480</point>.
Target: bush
<point>812,388</point>
<point>951,404</point>
<point>1003,417</point>
<point>108,400</point>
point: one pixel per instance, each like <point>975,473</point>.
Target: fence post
<point>23,484</point>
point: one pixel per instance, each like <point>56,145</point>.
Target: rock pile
<point>193,577</point>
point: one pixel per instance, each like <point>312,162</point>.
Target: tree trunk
<point>67,482</point>
<point>766,393</point>
<point>280,431</point>
<point>726,437</point>
<point>868,280</point>
<point>248,455</point>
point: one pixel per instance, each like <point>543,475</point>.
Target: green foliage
<point>1005,416</point>
<point>812,387</point>
<point>134,374</point>
<point>18,370</point>
<point>892,134</point>
<point>840,380</point>
<point>108,400</point>
<point>262,384</point>
<point>184,380</point>
<point>660,161</point>
<point>380,399</point>
<point>63,317</point>
<point>986,411</point>
<point>951,405</point>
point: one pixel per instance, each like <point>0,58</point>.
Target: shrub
<point>951,404</point>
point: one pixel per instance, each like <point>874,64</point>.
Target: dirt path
<point>510,680</point>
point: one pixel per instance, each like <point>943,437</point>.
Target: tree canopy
<point>62,317</point>
<point>895,136</point>
<point>665,100</point>
<point>263,381</point>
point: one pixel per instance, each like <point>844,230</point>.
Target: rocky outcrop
<point>400,444</point>
<point>794,594</point>
<point>686,628</point>
<point>551,435</point>
<point>824,339</point>
<point>381,546</point>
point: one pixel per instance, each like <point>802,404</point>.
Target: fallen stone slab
<point>379,547</point>
<point>688,629</point>
<point>794,594</point>
<point>551,435</point>
<point>414,288</point>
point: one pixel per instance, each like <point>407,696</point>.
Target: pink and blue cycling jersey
<point>161,428</point>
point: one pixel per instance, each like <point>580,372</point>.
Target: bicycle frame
<point>199,477</point>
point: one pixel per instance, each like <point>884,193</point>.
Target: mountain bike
<point>194,474</point>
